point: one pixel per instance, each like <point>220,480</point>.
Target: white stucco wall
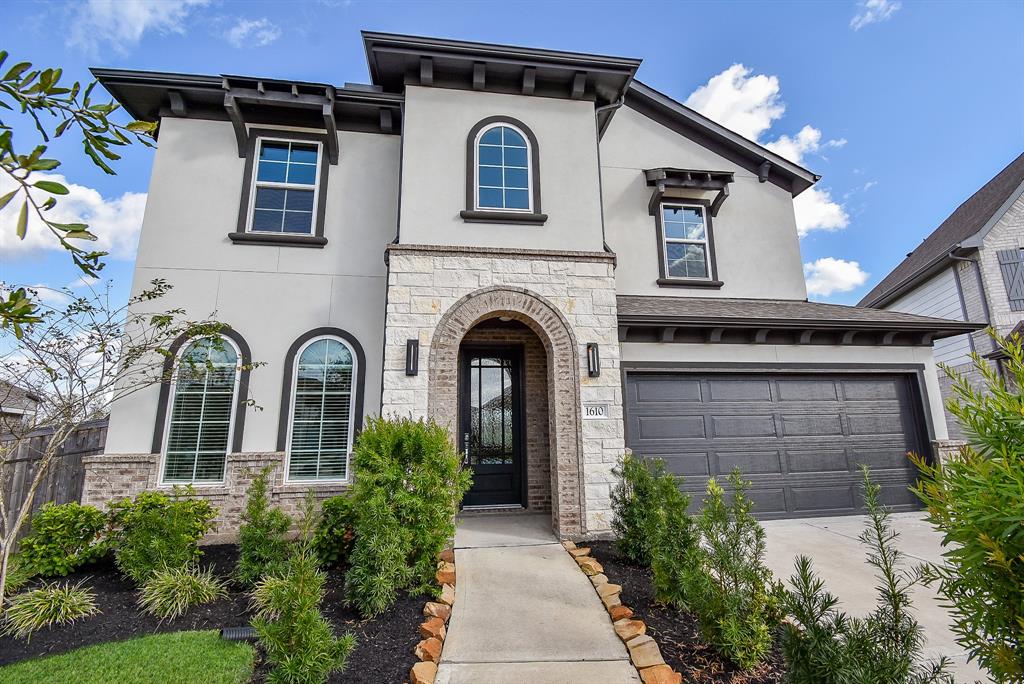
<point>436,124</point>
<point>270,295</point>
<point>799,354</point>
<point>756,244</point>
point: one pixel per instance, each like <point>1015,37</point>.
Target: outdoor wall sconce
<point>593,360</point>
<point>412,357</point>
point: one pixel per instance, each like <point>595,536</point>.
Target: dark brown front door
<point>490,410</point>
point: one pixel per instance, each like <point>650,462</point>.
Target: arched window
<point>503,168</point>
<point>202,401</point>
<point>321,413</point>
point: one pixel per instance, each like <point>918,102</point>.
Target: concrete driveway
<point>840,559</point>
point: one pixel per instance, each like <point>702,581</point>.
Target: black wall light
<point>593,360</point>
<point>412,357</point>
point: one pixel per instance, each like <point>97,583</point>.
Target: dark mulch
<point>383,654</point>
<point>676,631</point>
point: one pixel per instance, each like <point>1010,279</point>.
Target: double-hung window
<point>503,172</point>
<point>285,187</point>
<point>685,248</point>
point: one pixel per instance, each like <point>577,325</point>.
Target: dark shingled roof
<point>777,313</point>
<point>969,218</point>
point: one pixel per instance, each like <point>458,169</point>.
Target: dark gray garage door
<point>798,437</point>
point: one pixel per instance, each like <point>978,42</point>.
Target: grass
<point>193,657</point>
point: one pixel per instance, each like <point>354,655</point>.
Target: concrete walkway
<point>840,559</point>
<point>524,612</point>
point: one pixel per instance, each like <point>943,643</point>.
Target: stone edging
<point>428,651</point>
<point>643,650</point>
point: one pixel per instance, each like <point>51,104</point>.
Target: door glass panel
<point>490,407</point>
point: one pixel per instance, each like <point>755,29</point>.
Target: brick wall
<point>1008,233</point>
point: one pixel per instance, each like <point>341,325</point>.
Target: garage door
<point>799,438</point>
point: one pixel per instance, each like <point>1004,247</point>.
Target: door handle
<point>465,449</point>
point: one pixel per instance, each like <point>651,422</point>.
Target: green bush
<point>262,537</point>
<point>295,636</point>
<point>63,537</point>
<point>976,499</point>
<point>156,532</point>
<point>828,647</point>
<point>408,486</point>
<point>729,588</point>
<point>18,574</point>
<point>634,506</point>
<point>676,543</point>
<point>51,604</point>
<point>169,593</point>
<point>335,532</point>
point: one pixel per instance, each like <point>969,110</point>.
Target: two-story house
<point>531,247</point>
<point>970,268</point>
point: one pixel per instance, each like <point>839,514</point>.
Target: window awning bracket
<point>664,179</point>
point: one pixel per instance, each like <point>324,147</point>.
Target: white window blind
<point>321,420</point>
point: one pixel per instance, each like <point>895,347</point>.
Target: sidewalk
<point>524,612</point>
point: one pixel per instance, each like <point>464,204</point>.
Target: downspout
<point>610,107</point>
<point>981,292</point>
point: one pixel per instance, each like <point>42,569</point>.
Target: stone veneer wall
<point>536,451</point>
<point>427,282</point>
<point>110,477</point>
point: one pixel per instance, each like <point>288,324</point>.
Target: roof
<point>779,314</point>
<point>962,229</point>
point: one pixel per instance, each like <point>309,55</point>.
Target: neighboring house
<point>971,268</point>
<point>18,407</point>
<point>528,246</point>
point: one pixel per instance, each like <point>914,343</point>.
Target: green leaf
<point>141,126</point>
<point>79,235</point>
<point>16,71</point>
<point>44,165</point>
<point>51,186</point>
<point>6,199</point>
<point>22,221</point>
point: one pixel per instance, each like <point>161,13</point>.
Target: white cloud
<point>806,141</point>
<point>83,281</point>
<point>122,23</point>
<point>873,12</point>
<point>114,221</point>
<point>816,210</point>
<point>252,33</point>
<point>828,275</point>
<point>50,296</point>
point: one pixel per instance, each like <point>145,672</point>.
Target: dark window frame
<point>666,280</point>
<point>242,234</point>
<point>473,214</point>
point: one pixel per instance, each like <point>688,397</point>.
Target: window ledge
<point>278,239</point>
<point>480,216</point>
<point>687,282</point>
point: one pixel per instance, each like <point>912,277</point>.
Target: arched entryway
<point>483,319</point>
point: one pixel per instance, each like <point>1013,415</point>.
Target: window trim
<point>243,233</point>
<point>168,409</point>
<point>284,424</point>
<point>473,213</point>
<point>667,280</point>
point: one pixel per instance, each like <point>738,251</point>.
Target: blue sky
<point>905,108</point>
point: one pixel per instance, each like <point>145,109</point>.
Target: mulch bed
<point>384,652</point>
<point>676,631</point>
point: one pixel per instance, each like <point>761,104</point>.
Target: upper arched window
<point>322,409</point>
<point>503,168</point>
<point>202,400</point>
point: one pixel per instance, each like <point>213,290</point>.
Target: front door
<point>490,411</point>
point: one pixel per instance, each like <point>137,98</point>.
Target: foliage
<point>676,545</point>
<point>976,499</point>
<point>192,657</point>
<point>335,531</point>
<point>37,92</point>
<point>18,573</point>
<point>297,639</point>
<point>262,537</point>
<point>635,508</point>
<point>169,593</point>
<point>63,537</point>
<point>408,486</point>
<point>829,647</point>
<point>157,532</point>
<point>51,604</point>
<point>729,588</point>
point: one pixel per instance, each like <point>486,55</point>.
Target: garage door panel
<point>800,450</point>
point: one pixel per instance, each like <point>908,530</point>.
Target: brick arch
<point>555,333</point>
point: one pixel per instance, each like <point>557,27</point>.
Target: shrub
<point>51,604</point>
<point>262,537</point>
<point>729,589</point>
<point>297,639</point>
<point>634,506</point>
<point>408,485</point>
<point>676,543</point>
<point>63,537</point>
<point>828,647</point>
<point>335,532</point>
<point>155,531</point>
<point>169,593</point>
<point>18,573</point>
<point>976,499</point>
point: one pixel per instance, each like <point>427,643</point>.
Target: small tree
<point>262,537</point>
<point>976,499</point>
<point>78,359</point>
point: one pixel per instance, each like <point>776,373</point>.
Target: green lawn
<point>179,657</point>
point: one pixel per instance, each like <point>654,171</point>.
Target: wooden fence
<point>63,481</point>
